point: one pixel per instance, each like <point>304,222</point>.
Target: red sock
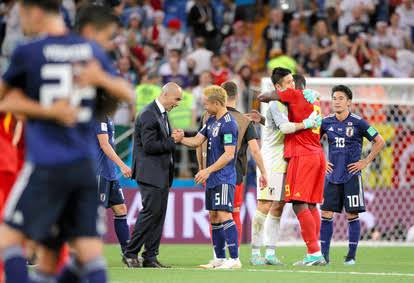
<point>307,228</point>
<point>63,257</point>
<point>237,221</point>
<point>317,219</point>
<point>1,272</point>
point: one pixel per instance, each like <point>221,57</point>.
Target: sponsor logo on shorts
<point>297,194</point>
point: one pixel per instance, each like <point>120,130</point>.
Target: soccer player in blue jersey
<point>343,185</point>
<point>221,133</point>
<point>109,190</point>
<point>54,199</point>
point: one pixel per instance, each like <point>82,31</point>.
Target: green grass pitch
<point>374,264</point>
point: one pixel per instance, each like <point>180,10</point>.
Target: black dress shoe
<point>131,262</point>
<point>151,264</point>
<point>162,265</point>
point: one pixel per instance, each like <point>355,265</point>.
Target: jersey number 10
<point>65,89</point>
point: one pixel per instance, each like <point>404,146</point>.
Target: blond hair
<point>216,93</point>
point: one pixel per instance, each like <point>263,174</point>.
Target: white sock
<point>257,232</point>
<point>271,231</point>
<point>270,251</point>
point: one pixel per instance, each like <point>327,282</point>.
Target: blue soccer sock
<point>326,236</point>
<point>354,232</point>
<point>71,273</point>
<point>15,269</point>
<point>122,231</point>
<point>40,277</point>
<point>95,271</point>
<point>230,230</point>
<point>219,239</point>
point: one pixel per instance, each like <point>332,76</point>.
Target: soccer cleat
<point>214,263</point>
<point>272,260</point>
<point>230,264</point>
<point>257,260</point>
<point>349,261</point>
<point>311,260</point>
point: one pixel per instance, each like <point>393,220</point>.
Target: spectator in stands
<point>406,12</point>
<point>175,75</point>
<point>374,67</point>
<point>204,80</point>
<point>398,63</point>
<point>165,68</point>
<point>274,34</point>
<point>136,32</point>
<point>400,37</point>
<point>305,62</point>
<point>357,27</point>
<point>245,10</point>
<point>341,59</point>
<point>132,7</point>
<point>229,15</point>
<point>157,32</point>
<point>236,47</point>
<point>175,39</point>
<point>346,7</point>
<point>332,20</point>
<point>200,56</point>
<point>152,59</point>
<point>380,38</point>
<point>219,73</point>
<point>201,21</point>
<point>14,34</point>
<point>125,71</point>
<point>278,59</point>
<point>243,79</point>
<point>296,37</point>
<point>323,45</point>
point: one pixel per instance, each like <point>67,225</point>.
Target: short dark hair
<point>98,16</point>
<point>278,74</point>
<point>231,88</point>
<point>47,5</point>
<point>300,81</point>
<point>344,89</point>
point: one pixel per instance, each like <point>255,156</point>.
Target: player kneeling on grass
<point>343,185</point>
<point>221,131</point>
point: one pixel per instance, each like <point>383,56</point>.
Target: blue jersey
<point>44,69</point>
<point>345,139</point>
<point>220,133</point>
<point>105,166</point>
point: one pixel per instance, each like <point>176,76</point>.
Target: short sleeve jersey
<point>105,166</point>
<point>44,69</point>
<point>345,139</point>
<point>304,142</point>
<point>220,133</point>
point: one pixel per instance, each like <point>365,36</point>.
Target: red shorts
<point>238,195</point>
<point>305,178</point>
<point>6,183</point>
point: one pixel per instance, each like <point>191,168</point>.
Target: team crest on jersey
<point>349,123</point>
<point>349,131</point>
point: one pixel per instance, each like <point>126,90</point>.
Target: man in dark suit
<point>153,169</point>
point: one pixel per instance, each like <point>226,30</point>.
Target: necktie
<point>164,116</point>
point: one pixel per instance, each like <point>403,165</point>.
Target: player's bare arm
<point>93,74</point>
<point>190,142</point>
<point>110,152</point>
<point>378,144</point>
<point>257,156</point>
<point>225,158</point>
<point>17,103</point>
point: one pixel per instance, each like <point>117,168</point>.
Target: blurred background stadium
<point>366,44</point>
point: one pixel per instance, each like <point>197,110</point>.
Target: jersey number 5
<point>65,89</point>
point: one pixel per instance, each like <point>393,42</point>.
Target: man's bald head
<point>171,95</point>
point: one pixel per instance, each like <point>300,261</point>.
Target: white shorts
<point>275,190</point>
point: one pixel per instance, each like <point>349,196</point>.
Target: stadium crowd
<point>204,42</point>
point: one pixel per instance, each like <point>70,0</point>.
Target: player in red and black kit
<point>307,165</point>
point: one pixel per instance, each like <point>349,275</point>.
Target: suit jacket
<point>153,153</point>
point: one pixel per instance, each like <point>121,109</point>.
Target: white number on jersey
<point>353,201</point>
<point>65,88</point>
<point>340,142</point>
